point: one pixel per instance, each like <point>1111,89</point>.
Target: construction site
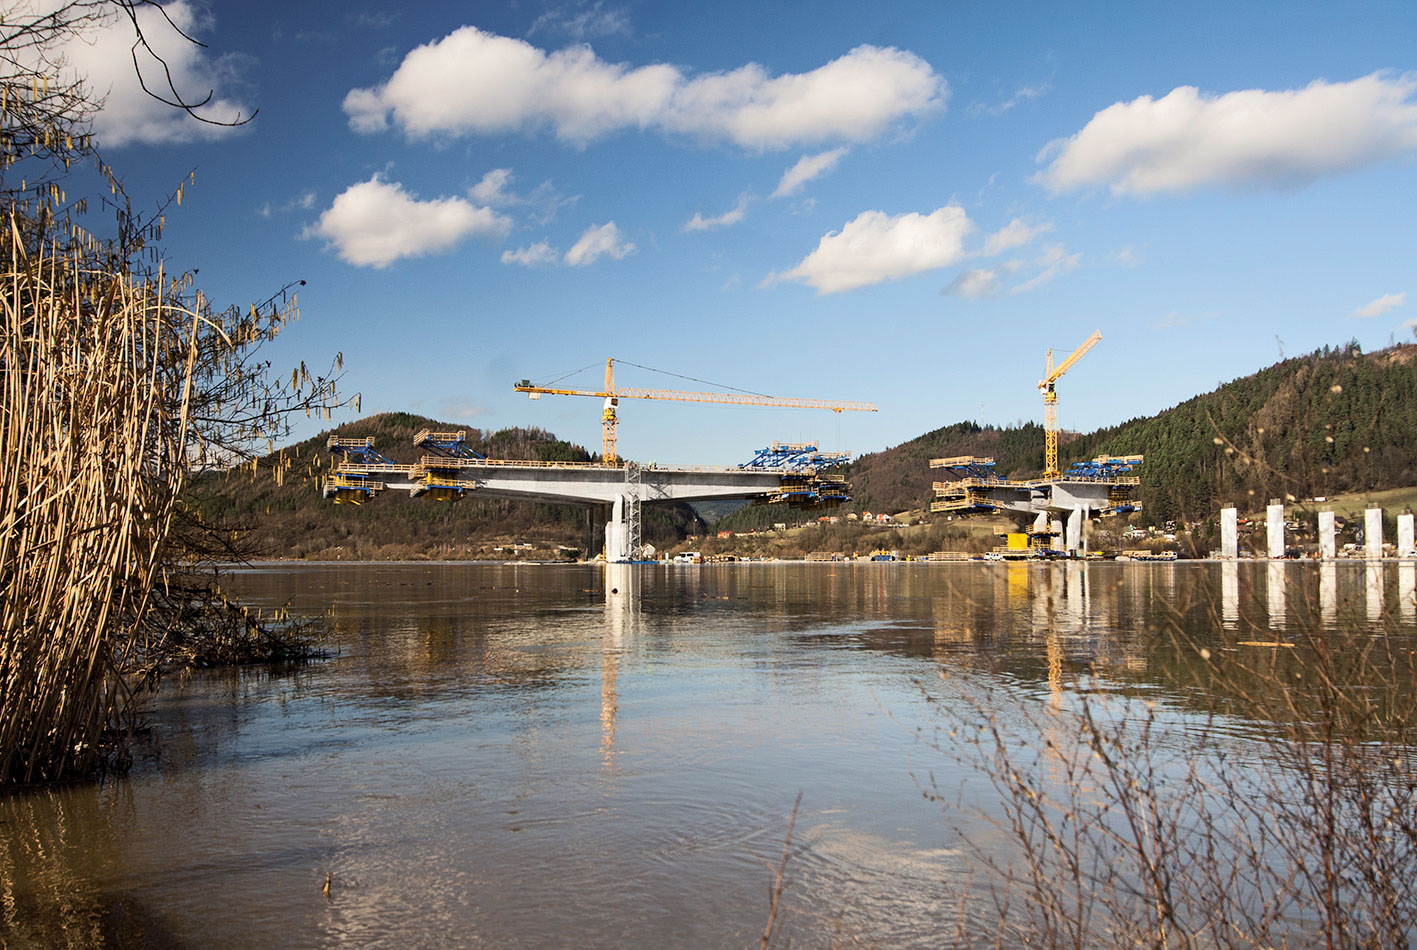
<point>1059,503</point>
<point>612,490</point>
<point>798,475</point>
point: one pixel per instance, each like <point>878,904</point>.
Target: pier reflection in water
<point>514,755</point>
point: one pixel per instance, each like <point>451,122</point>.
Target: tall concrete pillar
<point>617,532</point>
<point>1229,533</point>
<point>1406,542</point>
<point>1074,539</point>
<point>1373,533</point>
<point>1328,547</point>
<point>1274,521</point>
<point>1057,528</point>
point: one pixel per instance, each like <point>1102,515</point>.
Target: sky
<point>906,203</point>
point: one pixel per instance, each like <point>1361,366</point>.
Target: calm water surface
<point>546,756</point>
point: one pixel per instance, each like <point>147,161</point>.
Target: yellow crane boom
<point>612,396</point>
<point>1050,402</point>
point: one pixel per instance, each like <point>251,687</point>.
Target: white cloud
<point>989,282</point>
<point>1382,305</point>
<point>542,203</point>
<point>492,189</point>
<point>582,23</point>
<point>1126,255</point>
<point>471,82</point>
<point>534,255</point>
<point>1251,137</point>
<point>1016,233</point>
<point>303,201</point>
<point>976,282</point>
<point>1055,260</point>
<point>732,216</point>
<point>103,57</point>
<point>598,241</point>
<point>876,247</point>
<point>807,168</point>
<point>1022,94</point>
<point>374,223</point>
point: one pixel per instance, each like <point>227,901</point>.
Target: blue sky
<point>903,203</point>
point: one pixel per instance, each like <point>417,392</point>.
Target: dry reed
<point>97,370</point>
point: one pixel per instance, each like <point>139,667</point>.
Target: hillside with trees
<point>1335,420</point>
<point>278,505</point>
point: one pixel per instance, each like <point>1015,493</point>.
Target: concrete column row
<point>1274,524</point>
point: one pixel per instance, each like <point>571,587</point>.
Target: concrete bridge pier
<point>1406,542</point>
<point>617,531</point>
<point>1373,533</point>
<point>1328,545</point>
<point>1229,533</point>
<point>1274,522</point>
<point>1074,535</point>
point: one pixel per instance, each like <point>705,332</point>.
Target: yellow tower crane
<point>612,396</point>
<point>1050,403</point>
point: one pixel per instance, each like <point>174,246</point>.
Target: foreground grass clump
<point>1274,809</point>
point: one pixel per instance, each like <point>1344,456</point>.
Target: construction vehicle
<point>1050,402</point>
<point>613,394</point>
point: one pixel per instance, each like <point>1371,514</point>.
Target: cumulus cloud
<point>103,58</point>
<point>598,241</point>
<point>1252,137</point>
<point>533,255</point>
<point>492,189</point>
<point>877,247</point>
<point>1016,233</point>
<point>374,223</point>
<point>472,82</point>
<point>1376,308</point>
<point>807,168</point>
<point>730,217</point>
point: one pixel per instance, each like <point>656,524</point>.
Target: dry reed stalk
<point>96,373</point>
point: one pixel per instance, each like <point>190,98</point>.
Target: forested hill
<point>289,517</point>
<point>1335,420</point>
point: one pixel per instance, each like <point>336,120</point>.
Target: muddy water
<point>539,756</point>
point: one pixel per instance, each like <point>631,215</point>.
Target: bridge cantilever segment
<point>788,473</point>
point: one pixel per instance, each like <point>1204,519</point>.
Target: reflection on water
<point>1276,572</point>
<point>515,755</point>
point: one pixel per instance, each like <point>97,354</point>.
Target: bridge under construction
<point>792,474</point>
<point>1102,486</point>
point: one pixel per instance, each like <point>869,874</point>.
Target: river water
<point>548,756</point>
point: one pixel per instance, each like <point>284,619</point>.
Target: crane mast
<point>1050,402</point>
<point>612,396</point>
